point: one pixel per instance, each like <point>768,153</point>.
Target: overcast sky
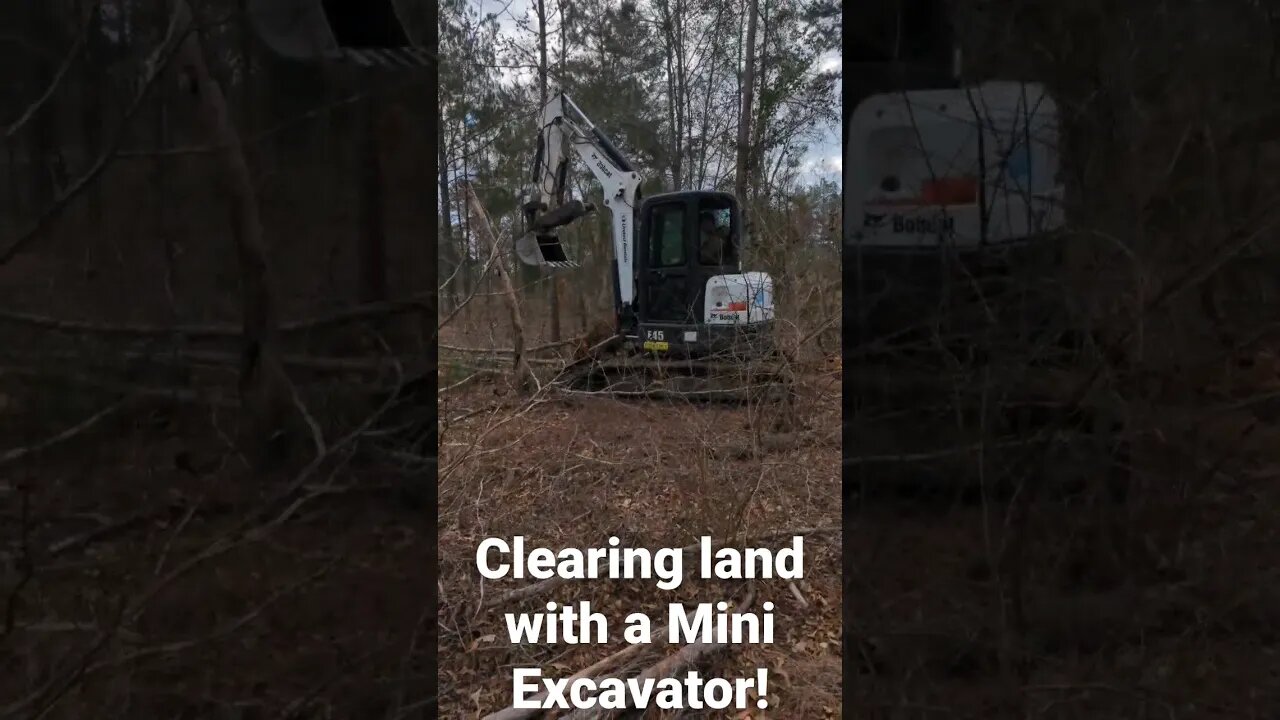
<point>822,161</point>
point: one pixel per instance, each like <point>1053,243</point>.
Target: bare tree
<point>748,90</point>
<point>264,385</point>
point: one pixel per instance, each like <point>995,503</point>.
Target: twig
<point>18,453</point>
<point>177,395</point>
<point>359,312</point>
<point>795,591</point>
<point>28,568</point>
<point>526,380</point>
<point>395,710</point>
<point>506,351</point>
<point>156,64</point>
<point>67,61</point>
<point>52,690</point>
<point>467,380</point>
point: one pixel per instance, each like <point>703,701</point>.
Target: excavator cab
<point>364,32</point>
<point>690,289</point>
<point>685,239</point>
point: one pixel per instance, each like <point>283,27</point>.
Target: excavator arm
<point>564,129</point>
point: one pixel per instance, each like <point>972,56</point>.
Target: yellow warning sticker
<point>656,346</point>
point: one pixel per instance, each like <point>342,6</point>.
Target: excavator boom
<point>565,129</point>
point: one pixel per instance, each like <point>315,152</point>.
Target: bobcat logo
<point>873,221</point>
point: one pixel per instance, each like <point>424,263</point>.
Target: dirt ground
<point>1160,601</point>
<point>571,473</point>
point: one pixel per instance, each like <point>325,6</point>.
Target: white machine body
<point>922,166</point>
<point>744,299</point>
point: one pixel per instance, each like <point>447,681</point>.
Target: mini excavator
<point>689,321</point>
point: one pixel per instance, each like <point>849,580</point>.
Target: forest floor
<point>573,472</point>
<point>1141,586</point>
<point>149,573</point>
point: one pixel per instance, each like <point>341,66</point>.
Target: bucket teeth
<point>544,251</point>
<point>392,58</point>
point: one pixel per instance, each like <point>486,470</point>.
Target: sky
<point>821,162</point>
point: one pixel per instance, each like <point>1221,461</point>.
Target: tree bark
<point>763,110</point>
<point>372,250</point>
<point>454,262</point>
<point>484,230</point>
<point>748,91</point>
<point>44,152</point>
<point>265,391</point>
<point>553,286</point>
<point>91,117</point>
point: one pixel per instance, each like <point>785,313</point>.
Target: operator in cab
<point>710,242</point>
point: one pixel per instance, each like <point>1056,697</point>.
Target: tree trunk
<point>265,392</point>
<point>759,130</point>
<point>91,117</point>
<point>748,90</point>
<point>44,150</point>
<point>553,286</point>
<point>675,153</point>
<point>372,251</point>
<point>525,378</point>
<point>453,267</point>
<point>160,173</point>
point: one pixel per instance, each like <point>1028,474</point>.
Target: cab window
<point>717,236</point>
<point>666,236</point>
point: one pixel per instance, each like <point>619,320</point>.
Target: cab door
<point>665,265</point>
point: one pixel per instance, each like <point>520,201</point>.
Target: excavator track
<point>622,372</point>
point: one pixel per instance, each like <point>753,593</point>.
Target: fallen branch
<point>303,362</point>
<point>359,312</point>
<point>795,592</point>
<point>613,660</point>
<point>467,381</point>
<point>689,656</point>
<point>177,395</point>
<point>506,351</point>
<point>67,62</point>
<point>18,453</point>
<point>108,530</point>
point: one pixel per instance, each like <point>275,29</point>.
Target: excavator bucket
<point>364,32</point>
<point>543,251</point>
<point>540,246</point>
